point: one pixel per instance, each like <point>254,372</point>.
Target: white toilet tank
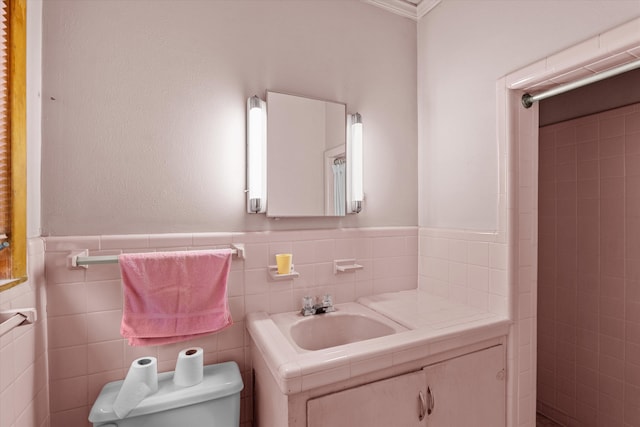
<point>215,402</point>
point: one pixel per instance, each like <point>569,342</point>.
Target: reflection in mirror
<point>306,169</point>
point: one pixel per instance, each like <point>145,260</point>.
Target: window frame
<point>17,122</point>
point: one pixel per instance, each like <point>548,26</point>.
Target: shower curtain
<point>339,188</point>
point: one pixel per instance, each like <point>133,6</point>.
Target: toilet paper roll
<point>189,367</point>
<point>140,382</point>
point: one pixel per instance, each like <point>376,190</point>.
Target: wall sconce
<point>355,195</point>
<point>256,155</point>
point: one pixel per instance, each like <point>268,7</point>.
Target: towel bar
<point>83,260</point>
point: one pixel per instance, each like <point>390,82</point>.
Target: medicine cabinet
<point>306,154</point>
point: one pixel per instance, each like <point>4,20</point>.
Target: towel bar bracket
<point>10,319</point>
<point>30,314</point>
<point>239,248</point>
<point>72,259</point>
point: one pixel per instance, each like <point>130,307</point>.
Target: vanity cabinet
<point>468,390</point>
<point>391,402</point>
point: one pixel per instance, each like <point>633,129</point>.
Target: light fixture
<point>256,155</point>
<point>355,161</point>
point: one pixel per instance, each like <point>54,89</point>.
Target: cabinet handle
<point>431,401</point>
<point>426,404</point>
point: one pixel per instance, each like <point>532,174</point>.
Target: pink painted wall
<point>24,388</point>
<point>464,47</point>
<point>85,306</point>
<point>147,130</point>
<point>588,276</point>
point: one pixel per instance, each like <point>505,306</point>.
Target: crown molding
<point>425,6</point>
<point>399,7</point>
<point>405,8</point>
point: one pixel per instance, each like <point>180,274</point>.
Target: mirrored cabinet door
<point>306,168</point>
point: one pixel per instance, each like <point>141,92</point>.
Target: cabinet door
<point>468,391</point>
<point>387,403</point>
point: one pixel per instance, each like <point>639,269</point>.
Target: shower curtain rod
<point>528,100</point>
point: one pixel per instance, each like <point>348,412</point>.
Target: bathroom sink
<point>351,322</point>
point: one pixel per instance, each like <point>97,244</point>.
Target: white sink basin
<point>351,322</point>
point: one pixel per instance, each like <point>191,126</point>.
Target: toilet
<point>215,402</point>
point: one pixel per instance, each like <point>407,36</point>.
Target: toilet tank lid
<point>219,380</point>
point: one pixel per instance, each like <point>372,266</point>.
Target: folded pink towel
<point>174,296</point>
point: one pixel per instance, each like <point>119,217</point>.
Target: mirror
<point>306,169</point>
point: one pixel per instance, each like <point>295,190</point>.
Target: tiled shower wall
<point>84,305</point>
<point>589,270</point>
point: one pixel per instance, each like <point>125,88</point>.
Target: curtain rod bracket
<point>526,100</point>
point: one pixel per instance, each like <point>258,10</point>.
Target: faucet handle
<point>307,306</point>
<point>307,301</point>
<point>327,300</point>
<point>327,303</point>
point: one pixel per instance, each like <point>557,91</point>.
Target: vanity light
<point>256,155</point>
<point>354,157</point>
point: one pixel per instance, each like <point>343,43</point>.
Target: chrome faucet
<point>321,306</point>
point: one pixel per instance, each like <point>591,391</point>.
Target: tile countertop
<point>435,325</point>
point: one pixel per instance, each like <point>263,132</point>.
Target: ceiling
<point>414,9</point>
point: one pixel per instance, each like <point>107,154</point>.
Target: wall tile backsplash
<point>465,266</point>
<point>85,305</point>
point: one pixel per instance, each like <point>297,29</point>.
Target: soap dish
<point>345,265</point>
<point>273,273</point>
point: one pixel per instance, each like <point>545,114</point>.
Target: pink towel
<point>174,296</point>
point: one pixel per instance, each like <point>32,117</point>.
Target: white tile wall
<point>465,266</point>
